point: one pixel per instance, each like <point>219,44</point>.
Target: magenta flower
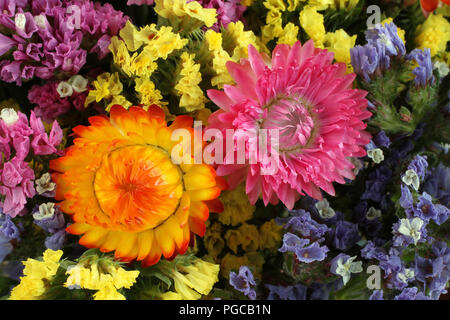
<point>310,103</point>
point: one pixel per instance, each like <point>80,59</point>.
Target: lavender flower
<point>295,292</point>
<point>304,253</point>
<point>419,164</point>
<point>411,294</point>
<point>377,295</point>
<point>302,223</point>
<point>369,59</point>
<point>425,208</point>
<point>345,235</point>
<point>424,72</point>
<point>244,282</point>
<point>7,227</point>
<point>382,140</point>
<point>387,36</point>
<point>437,184</point>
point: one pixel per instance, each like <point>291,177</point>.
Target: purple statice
<point>52,221</point>
<point>345,235</point>
<point>294,292</point>
<point>8,228</point>
<point>406,201</point>
<point>227,11</point>
<point>5,247</point>
<point>426,268</point>
<point>388,37</point>
<point>371,251</point>
<point>376,295</point>
<point>366,219</point>
<point>437,184</point>
<point>51,38</point>
<point>411,294</point>
<point>425,209</point>
<point>369,60</point>
<point>371,145</point>
<point>419,164</point>
<point>382,140</point>
<point>304,251</point>
<point>376,183</point>
<point>301,222</point>
<point>244,282</point>
<point>424,71</point>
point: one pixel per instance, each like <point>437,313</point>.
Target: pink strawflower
<point>311,104</point>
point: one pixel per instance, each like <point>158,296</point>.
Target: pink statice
<point>20,139</point>
<point>227,11</point>
<point>53,37</point>
<point>49,104</point>
<point>309,102</point>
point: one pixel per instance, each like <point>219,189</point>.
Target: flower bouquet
<point>224,149</point>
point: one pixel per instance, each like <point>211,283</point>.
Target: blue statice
<point>294,292</point>
<point>304,250</point>
<point>424,71</point>
<point>51,220</point>
<point>5,247</point>
<point>437,184</point>
<point>376,295</point>
<point>371,251</point>
<point>386,35</point>
<point>371,145</point>
<point>425,209</point>
<point>244,282</point>
<point>411,294</point>
<point>301,222</point>
<point>369,59</point>
<point>345,235</point>
<point>321,291</point>
<point>8,228</point>
<point>376,183</point>
<point>406,201</point>
<point>419,164</point>
<point>371,225</point>
<point>382,140</point>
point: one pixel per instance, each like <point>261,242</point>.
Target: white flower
<point>78,83</point>
<point>346,269</point>
<point>46,210</point>
<point>9,115</point>
<point>406,275</point>
<point>376,155</point>
<point>64,89</point>
<point>411,228</point>
<point>44,184</point>
<point>40,21</point>
<point>325,211</point>
<point>373,213</point>
<point>20,21</point>
<point>442,68</point>
<point>411,178</point>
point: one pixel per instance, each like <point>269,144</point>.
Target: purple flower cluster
<point>18,137</point>
<point>42,37</point>
<point>51,220</point>
<point>437,184</point>
<point>244,282</point>
<point>424,71</point>
<point>294,292</point>
<point>373,58</point>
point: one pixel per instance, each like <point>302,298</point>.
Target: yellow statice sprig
<point>185,17</point>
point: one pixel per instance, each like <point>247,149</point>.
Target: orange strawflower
<point>123,191</point>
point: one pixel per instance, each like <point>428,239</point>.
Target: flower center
<point>292,118</point>
<point>138,187</point>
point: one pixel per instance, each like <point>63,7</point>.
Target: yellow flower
<point>433,34</point>
<point>340,43</point>
<point>213,240</point>
<point>192,97</point>
<point>231,262</point>
<point>289,35</point>
<point>237,40</point>
<point>246,236</point>
<point>119,99</point>
<point>108,292</point>
<point>344,4</point>
<point>121,56</point>
<point>237,208</point>
<point>130,35</point>
<point>275,5</point>
<point>190,13</point>
<point>312,22</point>
<point>400,31</point>
<point>202,115</point>
<point>160,43</point>
<point>220,58</point>
<point>190,282</point>
<point>321,4</point>
<point>270,235</point>
<point>37,274</point>
<point>247,3</point>
<point>106,86</point>
<point>142,64</point>
<point>147,92</point>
